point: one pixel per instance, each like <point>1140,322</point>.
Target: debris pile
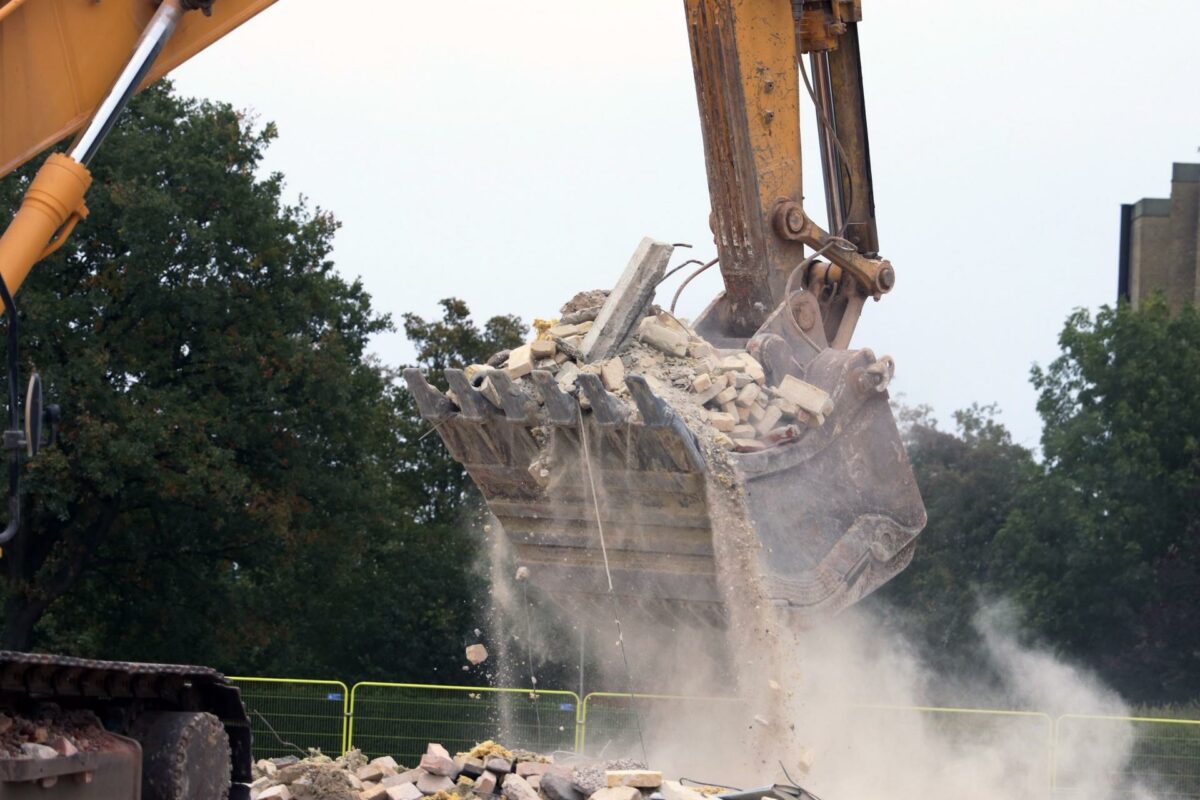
<point>720,393</point>
<point>49,733</point>
<point>488,770</point>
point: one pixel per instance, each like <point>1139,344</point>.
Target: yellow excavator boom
<point>59,58</point>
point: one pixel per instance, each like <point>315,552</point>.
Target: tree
<point>969,481</point>
<point>221,411</point>
<point>1102,548</point>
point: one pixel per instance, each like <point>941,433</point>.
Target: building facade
<point>1160,243</point>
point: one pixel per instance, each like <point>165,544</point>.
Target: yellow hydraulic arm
<point>72,65</point>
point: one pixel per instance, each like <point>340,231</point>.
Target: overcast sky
<point>513,153</point>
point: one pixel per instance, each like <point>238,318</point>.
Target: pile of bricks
<point>726,389</point>
<point>485,772</point>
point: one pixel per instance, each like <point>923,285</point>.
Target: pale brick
<point>520,362</point>
<point>639,778</point>
<point>722,421</point>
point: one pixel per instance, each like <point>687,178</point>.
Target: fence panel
<point>401,719</point>
<point>616,724</point>
<point>303,712</point>
<point>1164,764</point>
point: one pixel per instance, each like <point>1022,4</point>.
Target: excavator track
<point>186,724</point>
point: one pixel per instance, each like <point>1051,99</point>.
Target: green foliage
<point>1102,549</point>
<point>237,482</point>
<point>969,481</point>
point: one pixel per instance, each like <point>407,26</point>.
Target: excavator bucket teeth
<point>589,485</point>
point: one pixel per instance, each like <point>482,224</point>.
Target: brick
<point>411,776</point>
<point>438,765</point>
<point>559,787</point>
<point>617,793</point>
<point>639,778</point>
<point>753,368</point>
<point>700,350</point>
<point>722,421</point>
<point>368,772</point>
<point>769,419</point>
<point>517,788</point>
<point>701,383</point>
<point>748,445</point>
<point>809,398</point>
<point>661,337</point>
<point>476,654</point>
<point>432,784</point>
<point>625,306</point>
<point>471,767</point>
<point>788,408</point>
<point>748,394</point>
<point>612,373</point>
<point>543,348</point>
<point>727,395</point>
<point>280,792</point>
<point>674,790</point>
<point>743,431</point>
<point>385,763</point>
<point>375,792</point>
<point>730,408</point>
<point>717,385</point>
<point>486,783</point>
<point>404,791</point>
<point>743,413</point>
<point>527,768</point>
<point>498,765</point>
<point>520,362</point>
<point>741,379</point>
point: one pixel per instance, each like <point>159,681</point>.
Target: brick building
<point>1160,243</point>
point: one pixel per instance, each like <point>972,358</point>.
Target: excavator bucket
<point>631,481</point>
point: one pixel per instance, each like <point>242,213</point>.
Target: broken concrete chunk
<point>38,751</point>
<point>543,348</point>
<point>373,792</point>
<point>625,306</point>
<point>661,337</point>
<point>808,397</point>
<point>279,792</point>
<point>612,373</point>
<point>385,763</point>
<point>520,362</point>
<point>748,445</point>
<point>527,769</point>
<point>639,778</point>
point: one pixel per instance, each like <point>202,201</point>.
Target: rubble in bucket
<point>486,771</point>
<point>721,393</point>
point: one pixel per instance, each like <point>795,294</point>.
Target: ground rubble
<point>50,732</point>
<point>721,394</point>
<point>487,771</point>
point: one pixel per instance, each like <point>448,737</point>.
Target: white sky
<point>513,153</point>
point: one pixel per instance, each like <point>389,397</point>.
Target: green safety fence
<point>615,724</point>
<point>1165,761</point>
<point>400,719</point>
<point>303,713</point>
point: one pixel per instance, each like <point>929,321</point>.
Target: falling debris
<point>477,654</point>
